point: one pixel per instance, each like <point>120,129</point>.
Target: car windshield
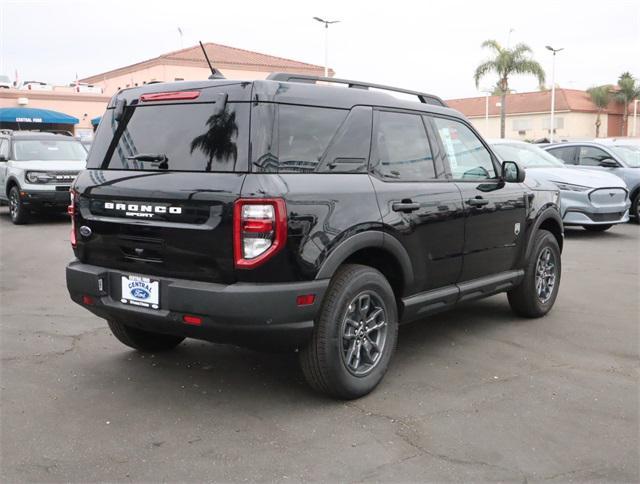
<point>630,154</point>
<point>49,150</point>
<point>527,155</point>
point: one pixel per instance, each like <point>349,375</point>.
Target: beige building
<point>183,65</point>
<point>528,115</point>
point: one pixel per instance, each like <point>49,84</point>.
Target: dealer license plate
<point>140,291</point>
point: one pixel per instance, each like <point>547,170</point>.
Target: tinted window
<point>590,156</point>
<point>565,153</point>
<point>48,150</point>
<point>4,148</point>
<point>467,156</point>
<point>181,137</point>
<point>402,148</point>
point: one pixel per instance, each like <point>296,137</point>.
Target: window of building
<point>522,124</point>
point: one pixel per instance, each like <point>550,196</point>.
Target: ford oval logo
<point>140,293</point>
<point>85,231</point>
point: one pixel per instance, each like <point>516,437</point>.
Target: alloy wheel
<point>545,275</point>
<point>364,333</point>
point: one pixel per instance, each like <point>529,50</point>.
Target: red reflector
<point>88,300</point>
<point>194,320</point>
<point>305,300</point>
<point>257,225</point>
<point>170,96</point>
<point>71,210</point>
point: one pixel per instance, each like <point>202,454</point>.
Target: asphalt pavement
<point>476,394</point>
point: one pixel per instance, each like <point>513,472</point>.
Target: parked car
<point>593,200</point>
<point>5,82</point>
<point>283,212</point>
<point>36,171</point>
<point>618,156</point>
<point>36,86</point>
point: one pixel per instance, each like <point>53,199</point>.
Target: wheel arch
<point>548,220</point>
<point>11,182</point>
<point>377,250</point>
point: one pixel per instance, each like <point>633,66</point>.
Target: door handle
<point>405,206</point>
<point>478,202</point>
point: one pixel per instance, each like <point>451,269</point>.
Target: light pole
<point>487,93</point>
<point>553,91</point>
<point>326,42</point>
<point>635,116</point>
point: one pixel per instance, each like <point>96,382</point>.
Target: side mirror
<point>512,172</point>
<point>608,163</point>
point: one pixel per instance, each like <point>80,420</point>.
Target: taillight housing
<point>71,210</point>
<point>259,230</point>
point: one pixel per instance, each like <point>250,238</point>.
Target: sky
<point>423,45</point>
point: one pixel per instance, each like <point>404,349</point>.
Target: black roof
<point>284,92</point>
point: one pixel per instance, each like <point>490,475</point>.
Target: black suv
<point>293,214</point>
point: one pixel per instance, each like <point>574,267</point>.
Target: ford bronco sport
<point>36,171</point>
<point>291,213</point>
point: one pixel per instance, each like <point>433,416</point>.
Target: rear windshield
<point>173,137</point>
<point>48,150</point>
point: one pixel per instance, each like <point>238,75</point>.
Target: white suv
<point>36,171</point>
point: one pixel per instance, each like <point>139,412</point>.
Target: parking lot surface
<point>474,394</point>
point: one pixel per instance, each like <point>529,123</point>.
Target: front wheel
<point>537,292</point>
<point>354,336</point>
<point>141,340</point>
<point>597,228</point>
<point>18,212</point>
<point>635,208</point>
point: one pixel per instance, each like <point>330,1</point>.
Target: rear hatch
<point>163,173</point>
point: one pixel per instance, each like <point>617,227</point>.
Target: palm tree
<point>628,90</point>
<point>219,139</point>
<point>601,97</point>
<point>504,63</point>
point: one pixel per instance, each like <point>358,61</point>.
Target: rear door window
<point>177,137</point>
<point>564,153</point>
<point>402,150</point>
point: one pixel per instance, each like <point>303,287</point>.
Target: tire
<point>141,340</point>
<point>340,360</point>
<point>525,299</point>
<point>597,228</point>
<point>17,211</point>
<point>635,209</point>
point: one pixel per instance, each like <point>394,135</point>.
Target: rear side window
<point>304,139</point>
<point>403,152</point>
<point>566,154</point>
<point>173,137</point>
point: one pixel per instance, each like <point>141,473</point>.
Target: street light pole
<point>487,93</point>
<point>326,42</point>
<point>553,91</point>
<point>635,116</point>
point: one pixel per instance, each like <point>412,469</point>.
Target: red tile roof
<point>531,102</point>
<point>222,57</point>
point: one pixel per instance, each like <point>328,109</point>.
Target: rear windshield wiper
<point>151,157</point>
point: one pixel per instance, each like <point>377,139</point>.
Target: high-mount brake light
<point>259,230</point>
<point>170,96</point>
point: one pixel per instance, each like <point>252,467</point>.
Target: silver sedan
<point>590,199</point>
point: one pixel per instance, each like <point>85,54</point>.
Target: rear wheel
<point>537,292</point>
<point>18,212</point>
<point>143,340</point>
<point>597,228</point>
<point>355,334</point>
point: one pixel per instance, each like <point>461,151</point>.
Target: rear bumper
<point>242,313</point>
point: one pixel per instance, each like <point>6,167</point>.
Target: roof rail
<point>287,77</point>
